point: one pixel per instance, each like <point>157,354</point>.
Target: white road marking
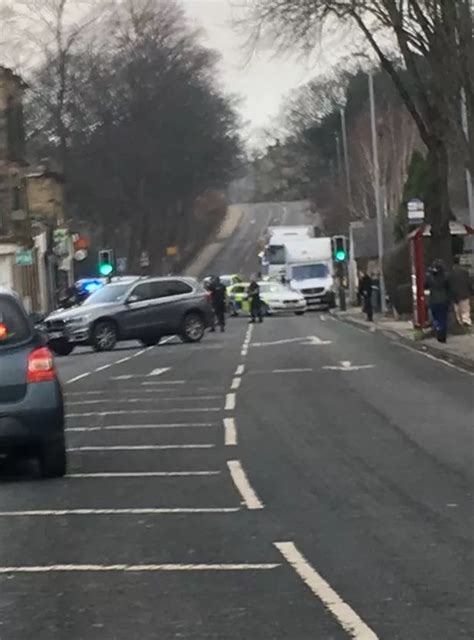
<point>277,342</point>
<point>143,447</point>
<point>104,367</point>
<point>312,340</point>
<point>344,614</point>
<point>242,483</point>
<point>142,400</point>
<point>143,474</point>
<point>230,432</point>
<point>244,352</point>
<point>128,427</point>
<point>155,372</point>
<point>240,370</point>
<point>116,512</point>
<point>163,382</point>
<point>346,365</point>
<point>103,414</point>
<point>323,318</point>
<point>317,342</point>
<point>136,568</point>
<point>159,372</point>
<point>230,402</point>
<point>292,370</point>
<point>236,382</point>
<point>83,375</point>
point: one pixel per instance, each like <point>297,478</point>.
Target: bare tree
<point>47,33</point>
<point>433,38</point>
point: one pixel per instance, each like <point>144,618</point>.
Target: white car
<point>277,298</point>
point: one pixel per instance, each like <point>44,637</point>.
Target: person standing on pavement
<point>365,292</point>
<point>440,298</point>
<point>255,301</point>
<point>461,290</point>
<point>218,301</point>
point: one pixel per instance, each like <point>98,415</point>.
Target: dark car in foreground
<point>144,309</point>
<point>31,401</point>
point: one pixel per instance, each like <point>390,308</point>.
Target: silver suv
<point>144,309</point>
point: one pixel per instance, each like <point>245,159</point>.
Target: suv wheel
<point>53,460</point>
<point>61,347</point>
<point>193,328</point>
<point>104,336</point>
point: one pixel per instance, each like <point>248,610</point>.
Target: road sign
<point>24,257</point>
<point>80,255</point>
<point>416,210</point>
<point>172,251</point>
<point>145,259</point>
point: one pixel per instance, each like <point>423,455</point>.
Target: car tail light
<point>3,331</point>
<point>41,366</point>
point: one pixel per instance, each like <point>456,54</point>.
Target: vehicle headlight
<point>79,320</point>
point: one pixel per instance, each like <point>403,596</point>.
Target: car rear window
<point>14,326</point>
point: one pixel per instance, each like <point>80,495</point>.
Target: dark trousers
<point>219,315</point>
<point>439,315</point>
<point>368,308</point>
<point>256,309</point>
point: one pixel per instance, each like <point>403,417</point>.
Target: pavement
<point>458,350</point>
<point>300,479</point>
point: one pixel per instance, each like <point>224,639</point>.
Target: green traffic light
<point>340,255</point>
<point>105,269</point>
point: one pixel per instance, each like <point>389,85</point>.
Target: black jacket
<point>438,284</point>
<point>365,287</point>
<point>218,296</point>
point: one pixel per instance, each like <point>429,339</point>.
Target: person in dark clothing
<point>365,294</point>
<point>255,301</point>
<point>218,301</point>
<point>440,297</point>
<point>461,290</point>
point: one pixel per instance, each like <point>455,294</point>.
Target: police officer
<point>255,301</point>
<point>218,301</point>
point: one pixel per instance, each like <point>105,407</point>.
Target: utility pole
<point>378,203</point>
<point>346,158</point>
<point>339,158</point>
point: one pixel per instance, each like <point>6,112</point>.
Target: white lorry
<point>273,255</point>
<point>307,265</point>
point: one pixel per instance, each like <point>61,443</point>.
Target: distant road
<point>239,254</point>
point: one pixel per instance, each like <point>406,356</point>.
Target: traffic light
<point>106,262</point>
<point>340,252</point>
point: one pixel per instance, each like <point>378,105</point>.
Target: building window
<point>16,199</point>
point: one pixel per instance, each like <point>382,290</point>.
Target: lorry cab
<point>315,281</point>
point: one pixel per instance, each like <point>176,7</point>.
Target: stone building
<point>14,221</point>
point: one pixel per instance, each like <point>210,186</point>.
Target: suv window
<point>165,288</point>
<point>142,291</point>
<point>14,326</point>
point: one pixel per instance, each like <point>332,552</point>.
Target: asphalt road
<point>301,479</point>
<point>240,253</point>
<point>162,530</point>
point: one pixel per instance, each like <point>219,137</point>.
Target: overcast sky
<point>264,82</point>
